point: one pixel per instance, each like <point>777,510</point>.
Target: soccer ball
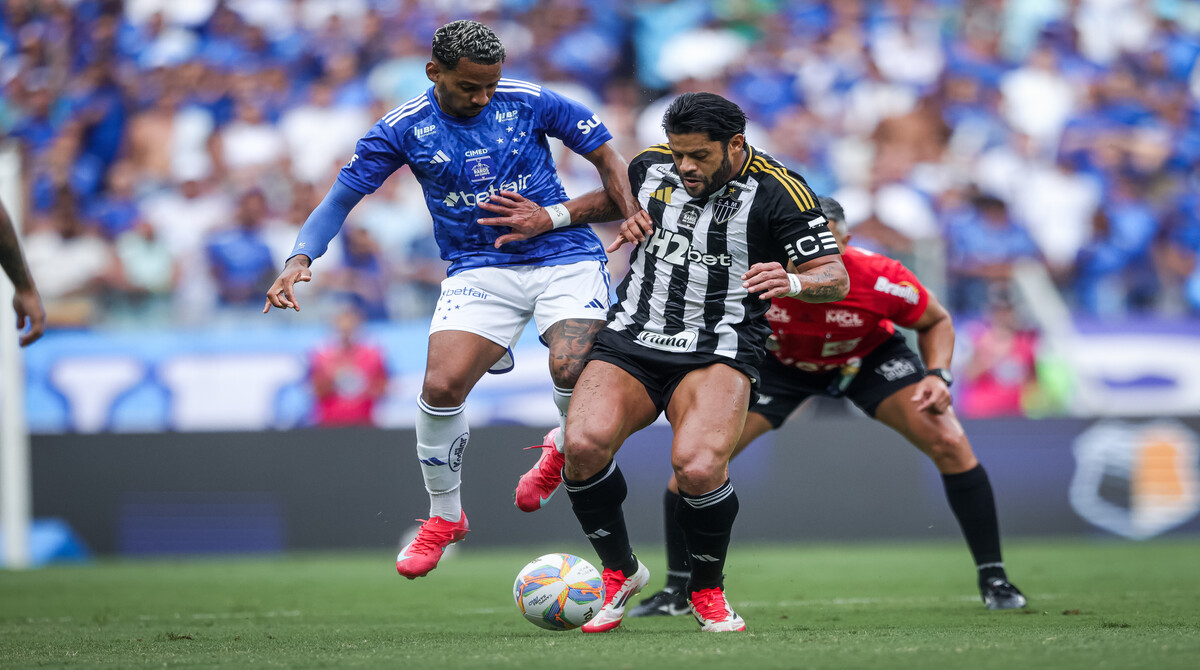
<point>559,591</point>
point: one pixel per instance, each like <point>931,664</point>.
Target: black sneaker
<point>667,602</point>
<point>998,594</point>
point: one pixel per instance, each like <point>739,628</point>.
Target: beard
<point>711,184</point>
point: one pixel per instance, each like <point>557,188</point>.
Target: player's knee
<point>699,472</point>
<point>440,392</point>
<point>587,451</point>
<point>949,449</point>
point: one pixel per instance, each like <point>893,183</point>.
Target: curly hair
<point>466,39</point>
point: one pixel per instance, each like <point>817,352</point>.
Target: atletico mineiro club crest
<point>727,206</point>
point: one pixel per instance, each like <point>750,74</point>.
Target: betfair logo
<point>664,194</point>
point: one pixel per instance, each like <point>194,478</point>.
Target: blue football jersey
<point>460,162</point>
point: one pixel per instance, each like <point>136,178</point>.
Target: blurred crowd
<point>172,148</point>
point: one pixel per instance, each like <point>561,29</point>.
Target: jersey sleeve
<point>640,165</point>
<point>577,126</point>
<point>376,157</point>
<point>794,217</point>
<point>899,310</point>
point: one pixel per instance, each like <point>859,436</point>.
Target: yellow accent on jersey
<point>664,194</point>
<point>800,194</point>
<point>657,148</point>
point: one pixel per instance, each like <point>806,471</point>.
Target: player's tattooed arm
<point>827,282</point>
<point>570,342</point>
<point>820,280</point>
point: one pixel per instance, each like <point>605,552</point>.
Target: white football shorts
<point>497,302</point>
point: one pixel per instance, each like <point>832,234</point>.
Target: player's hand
<point>283,292</point>
<point>633,230</point>
<point>931,395</point>
<point>28,306</point>
<point>770,278</point>
<point>526,218</point>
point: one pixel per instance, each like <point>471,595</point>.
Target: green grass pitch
<point>1093,604</point>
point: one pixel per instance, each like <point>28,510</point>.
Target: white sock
<point>562,399</point>
<point>442,435</point>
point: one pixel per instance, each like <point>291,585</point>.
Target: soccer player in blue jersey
<point>474,139</point>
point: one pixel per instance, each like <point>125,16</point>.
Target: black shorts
<point>661,371</point>
<point>888,368</point>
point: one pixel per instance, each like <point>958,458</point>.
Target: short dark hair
<point>832,209</point>
<point>706,113</point>
<point>466,39</point>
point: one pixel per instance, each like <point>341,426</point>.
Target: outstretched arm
<point>322,225</point>
<point>27,303</point>
<point>527,219</point>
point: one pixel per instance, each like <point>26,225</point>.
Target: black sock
<point>707,521</point>
<point>677,553</point>
<point>970,496</point>
<point>597,504</point>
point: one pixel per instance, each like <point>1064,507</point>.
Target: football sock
<point>970,496</point>
<point>597,504</point>
<point>677,554</point>
<point>707,521</point>
<point>442,435</point>
<point>562,398</point>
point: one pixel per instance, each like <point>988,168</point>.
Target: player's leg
<point>781,390</point>
<point>570,342</point>
<point>708,411</point>
<point>968,490</point>
<point>470,331</point>
<point>672,600</point>
<point>571,303</point>
<point>610,405</point>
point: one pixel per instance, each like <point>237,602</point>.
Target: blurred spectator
<point>348,376</point>
<point>363,277</point>
<point>1115,271</point>
<point>116,210</point>
<point>983,245</point>
<point>239,258</point>
<point>149,276</point>
<point>1001,369</point>
<point>71,264</point>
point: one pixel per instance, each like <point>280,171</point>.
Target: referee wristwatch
<point>942,374</point>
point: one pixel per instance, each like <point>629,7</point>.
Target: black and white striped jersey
<point>684,289</point>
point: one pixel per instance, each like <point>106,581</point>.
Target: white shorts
<point>496,303</point>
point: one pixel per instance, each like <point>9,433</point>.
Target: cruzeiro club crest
<point>1136,480</point>
<point>727,206</point>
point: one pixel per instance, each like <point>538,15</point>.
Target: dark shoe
<point>998,594</point>
<point>667,602</point>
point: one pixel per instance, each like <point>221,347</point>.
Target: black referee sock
<point>597,504</point>
<point>970,496</point>
<point>677,554</point>
<point>707,521</point>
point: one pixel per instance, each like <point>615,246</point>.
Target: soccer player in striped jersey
<point>851,349</point>
<point>472,140</point>
<point>721,222</point>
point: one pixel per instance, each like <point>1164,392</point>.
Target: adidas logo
<point>599,534</point>
<point>705,558</point>
<point>663,194</point>
<point>595,304</point>
<point>439,157</point>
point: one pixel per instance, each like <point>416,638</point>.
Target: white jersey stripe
<point>405,107</point>
<point>410,112</point>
